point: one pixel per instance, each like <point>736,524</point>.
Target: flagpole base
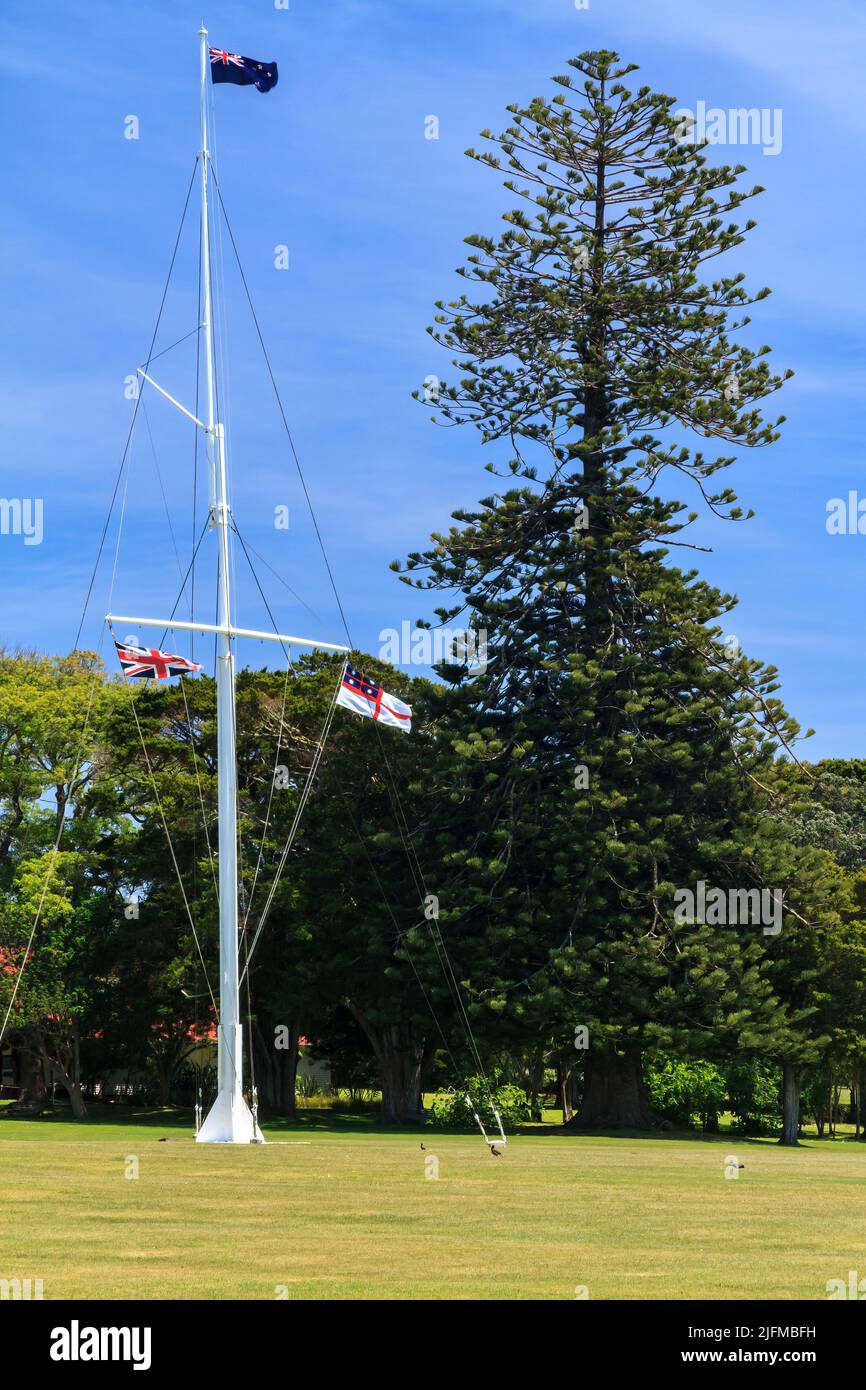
<point>229,1121</point>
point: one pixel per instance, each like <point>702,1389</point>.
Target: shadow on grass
<point>101,1115</point>
<point>172,1118</point>
<point>320,1120</point>
<point>727,1137</point>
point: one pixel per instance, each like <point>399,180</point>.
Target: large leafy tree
<point>159,789</point>
<point>819,968</point>
<point>343,913</point>
<point>53,713</point>
<point>367,853</point>
<point>615,742</point>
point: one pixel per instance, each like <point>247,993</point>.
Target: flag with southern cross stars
<point>359,694</point>
<point>150,663</point>
<point>243,72</point>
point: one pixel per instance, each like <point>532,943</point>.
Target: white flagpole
<point>229,1120</point>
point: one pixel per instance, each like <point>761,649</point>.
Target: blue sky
<point>334,164</point>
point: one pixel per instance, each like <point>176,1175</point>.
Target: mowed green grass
<point>332,1208</point>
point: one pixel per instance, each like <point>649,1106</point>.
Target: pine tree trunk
<point>33,1093</point>
<point>614,1096</point>
<point>69,1070</point>
<point>72,1087</point>
<point>287,1074</point>
<point>564,1090</point>
<point>264,1064</point>
<point>76,1097</point>
<point>534,1072</point>
<point>399,1054</point>
<point>276,1070</point>
<point>429,1052</point>
<point>834,1104</point>
<point>575,1089</point>
<point>791,1075</point>
<point>399,1071</point>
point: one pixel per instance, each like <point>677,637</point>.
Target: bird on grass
<point>497,1153</point>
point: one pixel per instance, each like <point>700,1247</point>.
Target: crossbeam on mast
<point>156,386</point>
<point>172,623</point>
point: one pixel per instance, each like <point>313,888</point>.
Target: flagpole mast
<point>229,1120</point>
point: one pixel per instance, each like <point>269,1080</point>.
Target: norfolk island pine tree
<point>609,699</point>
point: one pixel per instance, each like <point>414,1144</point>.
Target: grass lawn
<point>334,1208</point>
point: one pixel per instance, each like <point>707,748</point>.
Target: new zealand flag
<point>244,72</point>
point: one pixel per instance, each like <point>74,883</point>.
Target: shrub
<point>687,1093</point>
<point>755,1096</point>
<point>816,1099</point>
<point>451,1111</point>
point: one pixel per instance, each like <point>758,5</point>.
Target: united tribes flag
<point>359,694</point>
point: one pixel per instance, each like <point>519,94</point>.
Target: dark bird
<point>423,1149</point>
<point>496,1152</point>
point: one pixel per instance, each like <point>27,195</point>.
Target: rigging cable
<point>184,578</point>
<point>299,811</point>
<point>135,409</point>
<point>414,863</point>
<point>321,744</point>
<point>170,842</point>
<point>279,401</point>
<point>55,849</point>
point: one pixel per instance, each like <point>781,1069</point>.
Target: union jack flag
<point>362,696</point>
<point>150,663</point>
<point>219,55</point>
